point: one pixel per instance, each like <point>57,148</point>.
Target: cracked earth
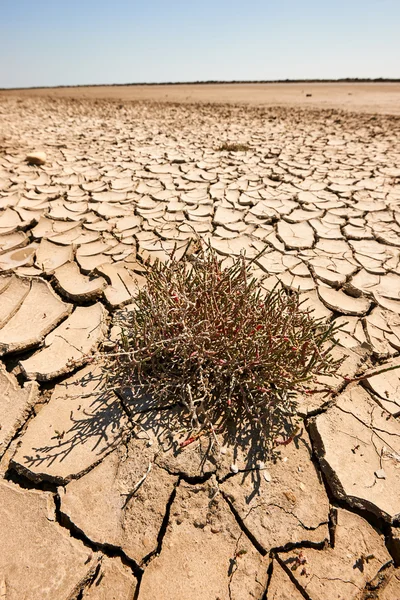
<point>98,500</point>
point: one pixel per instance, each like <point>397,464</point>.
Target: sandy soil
<point>380,98</point>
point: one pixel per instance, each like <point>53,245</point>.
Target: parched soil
<point>100,498</point>
<point>376,98</point>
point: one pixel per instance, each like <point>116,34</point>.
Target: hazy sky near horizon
<point>61,42</point>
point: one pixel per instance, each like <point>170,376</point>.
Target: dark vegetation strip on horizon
<point>212,82</point>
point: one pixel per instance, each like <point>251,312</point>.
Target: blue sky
<point>67,42</point>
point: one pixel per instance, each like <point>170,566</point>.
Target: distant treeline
<point>215,82</point>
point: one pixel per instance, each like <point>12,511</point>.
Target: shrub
<point>211,339</point>
<point>233,147</point>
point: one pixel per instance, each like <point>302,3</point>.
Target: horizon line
<point>213,82</point>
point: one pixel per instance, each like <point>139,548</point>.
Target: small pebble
<point>234,468</point>
<point>199,524</point>
<point>380,474</point>
<point>36,158</point>
<point>267,476</point>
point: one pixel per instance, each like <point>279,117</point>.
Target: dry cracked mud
<point>98,498</point>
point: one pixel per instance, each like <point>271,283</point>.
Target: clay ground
<point>98,499</point>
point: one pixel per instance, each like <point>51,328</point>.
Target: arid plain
<point>98,499</point>
<point>381,98</point>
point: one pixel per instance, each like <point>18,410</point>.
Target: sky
<point>76,42</point>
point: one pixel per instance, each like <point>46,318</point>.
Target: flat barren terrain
<point>381,98</point>
<point>102,494</point>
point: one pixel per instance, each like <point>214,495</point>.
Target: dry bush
<point>233,147</point>
<point>211,340</point>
